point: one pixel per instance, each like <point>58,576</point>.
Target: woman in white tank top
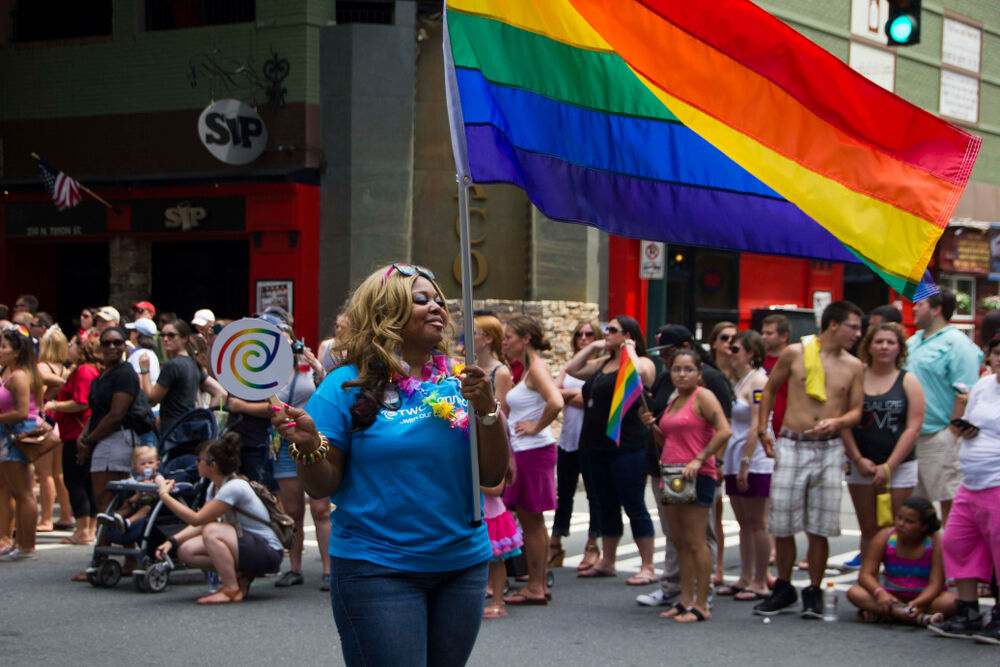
<point>531,406</point>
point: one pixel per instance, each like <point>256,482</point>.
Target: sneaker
<point>812,602</point>
<point>782,597</point>
<point>657,598</point>
<point>16,554</point>
<point>112,521</point>
<point>290,578</point>
<point>325,584</point>
<point>854,563</point>
<point>990,633</point>
<point>959,627</point>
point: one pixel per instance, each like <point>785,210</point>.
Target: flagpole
<point>85,189</point>
<point>470,349</point>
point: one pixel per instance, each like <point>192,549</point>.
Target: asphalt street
<point>47,619</point>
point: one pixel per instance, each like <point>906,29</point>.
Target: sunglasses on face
<point>582,334</point>
<point>735,349</point>
<point>724,337</point>
<point>409,270</point>
<point>112,342</point>
<point>170,334</point>
<point>612,330</point>
<point>852,325</point>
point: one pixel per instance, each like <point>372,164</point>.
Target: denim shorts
<point>284,466</point>
<point>9,452</point>
<point>704,486</point>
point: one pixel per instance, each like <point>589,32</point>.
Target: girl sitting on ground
<point>912,588</point>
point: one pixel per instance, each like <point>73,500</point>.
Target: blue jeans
<point>618,481</point>
<point>255,464</point>
<point>568,470</point>
<point>394,617</point>
<point>131,535</point>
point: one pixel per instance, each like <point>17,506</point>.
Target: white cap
<point>203,317</point>
<point>109,314</point>
<point>143,325</point>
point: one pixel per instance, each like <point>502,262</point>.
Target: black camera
<point>298,347</point>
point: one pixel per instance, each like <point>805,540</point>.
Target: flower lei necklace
<point>434,372</point>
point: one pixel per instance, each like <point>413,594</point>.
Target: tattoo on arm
<point>713,419</point>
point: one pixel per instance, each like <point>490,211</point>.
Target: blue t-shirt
<point>938,360</point>
<point>403,501</point>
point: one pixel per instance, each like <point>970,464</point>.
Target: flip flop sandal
<point>231,595</point>
<point>595,573</point>
<point>675,610</point>
<point>698,616</point>
<point>747,595</point>
<point>494,611</point>
<point>641,580</point>
<point>520,599</point>
<point>729,590</point>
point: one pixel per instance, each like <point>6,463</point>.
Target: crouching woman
<point>230,534</point>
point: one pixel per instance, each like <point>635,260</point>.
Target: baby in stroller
<point>127,524</point>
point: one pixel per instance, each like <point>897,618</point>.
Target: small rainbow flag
<point>628,388</point>
<point>710,124</point>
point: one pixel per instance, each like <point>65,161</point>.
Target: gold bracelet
<point>312,457</point>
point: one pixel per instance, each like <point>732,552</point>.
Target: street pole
<point>470,349</point>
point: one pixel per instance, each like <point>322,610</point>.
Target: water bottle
<point>829,603</point>
<point>212,581</point>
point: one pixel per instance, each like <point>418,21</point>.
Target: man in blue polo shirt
<point>940,355</point>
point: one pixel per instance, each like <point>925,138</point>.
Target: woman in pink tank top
<point>692,430</point>
<point>20,395</point>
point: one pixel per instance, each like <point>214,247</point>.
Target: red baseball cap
<point>145,305</point>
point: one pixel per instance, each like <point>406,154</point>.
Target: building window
<point>40,20</point>
<point>961,57</point>
<point>365,11</point>
<point>174,14</point>
<point>964,288</point>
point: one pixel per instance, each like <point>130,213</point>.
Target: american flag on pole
<point>64,190</point>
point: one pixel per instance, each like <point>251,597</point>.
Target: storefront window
<point>964,288</point>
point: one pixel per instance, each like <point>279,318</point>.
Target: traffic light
<point>903,26</point>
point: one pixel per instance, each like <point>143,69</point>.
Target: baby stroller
<point>178,462</point>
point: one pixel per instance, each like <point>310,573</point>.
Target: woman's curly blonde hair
<point>377,312</point>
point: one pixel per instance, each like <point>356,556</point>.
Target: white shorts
<point>903,477</point>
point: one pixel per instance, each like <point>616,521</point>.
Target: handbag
<point>883,502</point>
<point>677,490</point>
<point>37,442</point>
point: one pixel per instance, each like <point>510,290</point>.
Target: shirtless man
<point>809,466</point>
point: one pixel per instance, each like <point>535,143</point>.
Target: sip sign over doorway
<point>232,131</point>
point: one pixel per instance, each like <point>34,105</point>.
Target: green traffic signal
<point>903,26</point>
<point>902,29</point>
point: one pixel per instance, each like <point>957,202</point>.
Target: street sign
<point>232,131</point>
<point>651,260</point>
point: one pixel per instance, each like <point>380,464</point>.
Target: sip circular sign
<point>232,131</point>
<point>252,359</point>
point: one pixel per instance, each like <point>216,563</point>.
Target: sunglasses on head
<point>612,330</point>
<point>112,342</point>
<point>409,270</point>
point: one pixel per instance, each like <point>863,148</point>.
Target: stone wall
<point>131,265</point>
<point>558,319</point>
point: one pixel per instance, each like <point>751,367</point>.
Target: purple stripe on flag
<point>651,210</point>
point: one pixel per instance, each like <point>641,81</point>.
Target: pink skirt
<point>534,487</point>
<point>505,536</point>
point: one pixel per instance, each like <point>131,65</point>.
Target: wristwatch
<point>746,459</point>
<point>761,434</point>
<point>490,418</point>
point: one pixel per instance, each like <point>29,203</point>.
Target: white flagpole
<point>470,348</point>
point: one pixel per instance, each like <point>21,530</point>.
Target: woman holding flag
<point>692,430</point>
<point>530,407</point>
<point>613,440</point>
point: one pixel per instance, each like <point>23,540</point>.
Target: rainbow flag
<point>628,388</point>
<point>705,124</point>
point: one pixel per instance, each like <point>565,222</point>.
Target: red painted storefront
<point>278,224</point>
